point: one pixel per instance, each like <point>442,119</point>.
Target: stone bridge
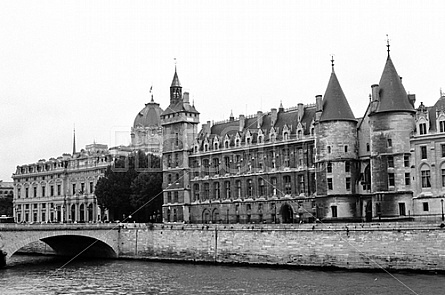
<point>87,240</point>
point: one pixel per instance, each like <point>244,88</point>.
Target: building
<point>61,189</point>
<point>6,188</point>
<point>307,162</point>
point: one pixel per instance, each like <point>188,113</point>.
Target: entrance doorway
<point>287,214</point>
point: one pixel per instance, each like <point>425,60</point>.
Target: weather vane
<point>387,43</point>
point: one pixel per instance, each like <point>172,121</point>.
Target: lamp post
<point>443,217</point>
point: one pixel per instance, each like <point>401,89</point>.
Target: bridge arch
<point>90,243</point>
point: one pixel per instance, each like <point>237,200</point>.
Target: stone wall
<point>391,246</point>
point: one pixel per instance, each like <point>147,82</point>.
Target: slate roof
<point>149,116</point>
<point>179,107</point>
<point>175,82</point>
<point>392,93</point>
<point>335,104</point>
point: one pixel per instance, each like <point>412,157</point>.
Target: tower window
<point>391,179</point>
<point>329,149</point>
<point>389,142</point>
<point>367,147</point>
<point>347,166</point>
<point>423,152</point>
<point>330,186</point>
<point>329,167</point>
<point>408,179</point>
<point>390,161</point>
<point>406,160</point>
<point>348,183</point>
<point>346,148</point>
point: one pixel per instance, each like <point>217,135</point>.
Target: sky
<point>89,65</point>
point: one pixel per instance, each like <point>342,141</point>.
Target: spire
<point>335,104</point>
<point>74,140</point>
<point>175,82</point>
<point>392,94</point>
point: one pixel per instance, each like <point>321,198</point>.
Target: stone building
<point>61,189</point>
<point>306,162</point>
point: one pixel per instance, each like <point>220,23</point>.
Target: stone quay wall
<point>402,246</point>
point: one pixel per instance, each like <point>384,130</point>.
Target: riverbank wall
<point>401,246</point>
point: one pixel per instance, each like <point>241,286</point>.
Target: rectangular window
<point>347,166</point>
<point>59,190</point>
<point>91,187</point>
<point>389,142</point>
<point>206,191</point>
<point>261,187</point>
<point>35,191</point>
<point>442,126</point>
<point>425,206</point>
<point>196,192</point>
<point>423,153</point>
<point>406,160</point>
<point>169,197</point>
<point>407,179</point>
<point>330,186</point>
<point>176,195</point>
<point>301,183</point>
<point>348,183</point>
<point>391,179</point>
<point>425,175</point>
<point>443,150</point>
<point>287,185</point>
<point>43,191</point>
<point>74,188</point>
<point>274,185</point>
<point>217,191</point>
<point>238,188</point>
<point>390,161</point>
<point>443,177</point>
<point>249,188</point>
<point>228,193</point>
<point>334,211</point>
<point>26,192</point>
<point>329,167</point>
<point>82,187</point>
<point>52,190</point>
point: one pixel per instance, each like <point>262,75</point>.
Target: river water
<point>48,275</point>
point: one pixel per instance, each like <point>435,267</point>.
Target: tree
<point>116,193</point>
<point>146,197</point>
<point>6,205</point>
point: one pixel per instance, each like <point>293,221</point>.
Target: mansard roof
<point>392,93</point>
<point>335,104</point>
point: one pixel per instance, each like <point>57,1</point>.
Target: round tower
<point>336,154</point>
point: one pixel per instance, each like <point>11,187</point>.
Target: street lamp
<point>442,210</point>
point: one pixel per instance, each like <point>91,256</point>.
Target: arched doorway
<point>287,214</point>
<point>73,213</point>
<point>215,216</point>
<point>82,213</point>
<point>205,216</point>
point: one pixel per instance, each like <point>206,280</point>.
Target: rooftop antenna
<point>387,43</point>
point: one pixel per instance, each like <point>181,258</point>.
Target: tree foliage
<point>6,205</point>
<point>132,186</point>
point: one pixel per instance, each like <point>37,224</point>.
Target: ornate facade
<point>62,189</point>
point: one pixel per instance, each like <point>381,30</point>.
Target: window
<point>52,190</point>
<point>329,149</point>
<point>286,136</point>
<point>26,192</point>
<point>249,188</point>
<point>391,179</point>
<point>347,166</point>
<point>389,142</point>
<point>346,148</point>
<point>226,144</point>
<point>423,152</point>
<point>329,167</point>
<point>348,183</point>
<point>300,157</point>
<point>425,175</point>
<point>176,194</point>
<point>82,187</point>
<point>334,211</point>
<point>407,179</point>
<point>330,186</point>
<point>35,191</point>
<point>196,191</point>
<point>443,177</point>
<point>286,157</point>
<point>261,187</point>
<point>216,165</point>
<point>273,180</point>
<point>367,147</point>
<point>74,188</point>
<point>177,178</point>
<point>227,164</point>
<point>217,191</point>
<point>169,161</point>
<point>169,179</point>
<point>215,145</point>
<point>91,187</point>
<point>287,185</point>
<point>442,126</point>
<point>390,161</point>
<point>406,160</point>
<point>43,191</point>
<point>238,188</point>
<point>422,128</point>
<point>301,183</point>
<point>260,138</point>
<point>228,193</point>
<point>169,197</point>
<point>425,206</point>
<point>177,139</point>
<point>206,164</point>
<point>443,150</point>
<point>206,191</point>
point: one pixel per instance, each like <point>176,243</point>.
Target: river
<point>48,275</point>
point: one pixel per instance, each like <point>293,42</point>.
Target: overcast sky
<point>91,63</point>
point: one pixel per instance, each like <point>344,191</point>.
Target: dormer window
<point>237,142</point>
<point>248,140</point>
<point>260,138</point>
<point>442,126</point>
<point>422,128</point>
<point>206,147</point>
<point>196,148</point>
<point>286,135</point>
<point>226,144</point>
<point>299,134</point>
<point>215,145</point>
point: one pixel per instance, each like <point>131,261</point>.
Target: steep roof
<point>335,104</point>
<point>175,82</point>
<point>392,93</point>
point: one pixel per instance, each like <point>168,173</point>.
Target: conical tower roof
<point>392,93</point>
<point>175,82</point>
<point>335,104</point>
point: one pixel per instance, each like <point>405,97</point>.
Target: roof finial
<point>332,62</point>
<point>74,139</point>
<point>175,64</point>
<point>151,92</point>
<point>387,43</point>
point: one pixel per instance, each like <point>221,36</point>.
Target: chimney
<point>273,116</point>
<point>208,125</point>
<point>412,99</point>
<point>185,97</point>
<point>231,118</point>
<point>300,108</point>
<point>242,122</point>
<point>318,103</point>
<point>259,117</point>
<point>375,92</point>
